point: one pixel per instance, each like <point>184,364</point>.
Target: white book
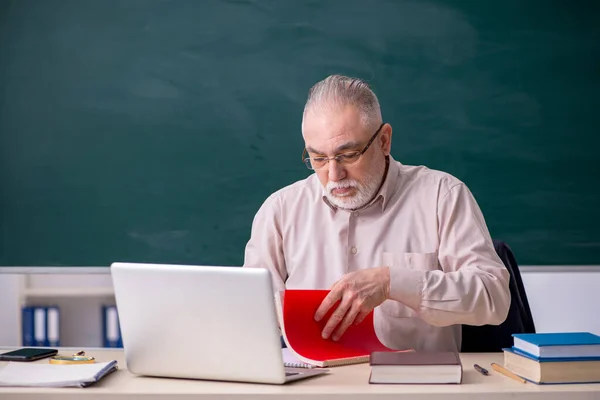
<point>112,326</point>
<point>53,326</point>
<point>39,326</point>
<point>53,375</point>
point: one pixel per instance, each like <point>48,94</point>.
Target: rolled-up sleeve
<point>265,247</point>
<point>471,284</point>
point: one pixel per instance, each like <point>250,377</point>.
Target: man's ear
<point>385,139</point>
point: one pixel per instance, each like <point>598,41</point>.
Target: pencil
<point>506,372</point>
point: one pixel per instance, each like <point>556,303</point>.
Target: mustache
<point>341,185</point>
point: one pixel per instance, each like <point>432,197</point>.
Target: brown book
<point>415,367</point>
<point>552,370</point>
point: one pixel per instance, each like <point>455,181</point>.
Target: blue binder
<point>27,326</point>
<point>111,331</point>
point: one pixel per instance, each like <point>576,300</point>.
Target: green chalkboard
<point>153,130</point>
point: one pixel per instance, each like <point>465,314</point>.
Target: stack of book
<point>545,358</point>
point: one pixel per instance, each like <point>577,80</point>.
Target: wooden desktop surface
<point>349,382</point>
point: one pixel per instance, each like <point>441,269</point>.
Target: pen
<point>506,372</point>
<point>481,370</point>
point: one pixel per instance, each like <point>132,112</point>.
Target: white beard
<point>364,190</point>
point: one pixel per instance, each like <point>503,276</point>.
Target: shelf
<point>68,292</point>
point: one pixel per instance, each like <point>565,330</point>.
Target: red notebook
<point>302,333</point>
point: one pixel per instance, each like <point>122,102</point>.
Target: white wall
<point>560,301</point>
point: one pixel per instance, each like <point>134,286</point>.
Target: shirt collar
<point>385,192</point>
<point>391,182</point>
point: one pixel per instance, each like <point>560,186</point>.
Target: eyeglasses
<point>349,158</point>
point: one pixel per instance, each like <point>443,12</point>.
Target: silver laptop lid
<point>203,322</point>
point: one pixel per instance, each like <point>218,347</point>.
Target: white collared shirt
<point>425,225</point>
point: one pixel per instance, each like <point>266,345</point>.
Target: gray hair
<point>340,91</point>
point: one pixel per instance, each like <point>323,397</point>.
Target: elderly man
<point>408,242</point>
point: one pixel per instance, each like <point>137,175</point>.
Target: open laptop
<point>201,322</point>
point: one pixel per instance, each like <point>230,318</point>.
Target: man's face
<point>328,133</point>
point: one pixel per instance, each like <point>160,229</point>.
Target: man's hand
<point>360,292</point>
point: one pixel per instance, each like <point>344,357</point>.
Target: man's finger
<point>332,322</point>
<point>360,317</point>
<point>332,297</point>
<point>346,322</point>
<point>336,318</point>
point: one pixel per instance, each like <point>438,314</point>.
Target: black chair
<point>492,338</point>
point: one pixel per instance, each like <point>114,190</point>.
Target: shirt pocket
<point>414,261</point>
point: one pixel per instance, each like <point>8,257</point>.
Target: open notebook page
<point>290,360</point>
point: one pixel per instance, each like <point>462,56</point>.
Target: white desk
<point>347,383</point>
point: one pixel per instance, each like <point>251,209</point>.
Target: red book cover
<point>302,333</point>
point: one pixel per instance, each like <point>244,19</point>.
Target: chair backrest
<point>492,338</point>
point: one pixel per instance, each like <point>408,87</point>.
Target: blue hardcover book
<point>558,345</point>
<point>552,370</point>
<point>549,359</point>
<point>27,326</point>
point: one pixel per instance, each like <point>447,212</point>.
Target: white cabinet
<point>80,298</point>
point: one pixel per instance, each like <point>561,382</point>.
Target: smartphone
<point>27,354</point>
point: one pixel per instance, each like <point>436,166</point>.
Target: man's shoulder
<point>422,176</point>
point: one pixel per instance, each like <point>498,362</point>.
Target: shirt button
<point>355,213</point>
<point>353,250</point>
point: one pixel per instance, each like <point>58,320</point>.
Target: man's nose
<point>336,171</point>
